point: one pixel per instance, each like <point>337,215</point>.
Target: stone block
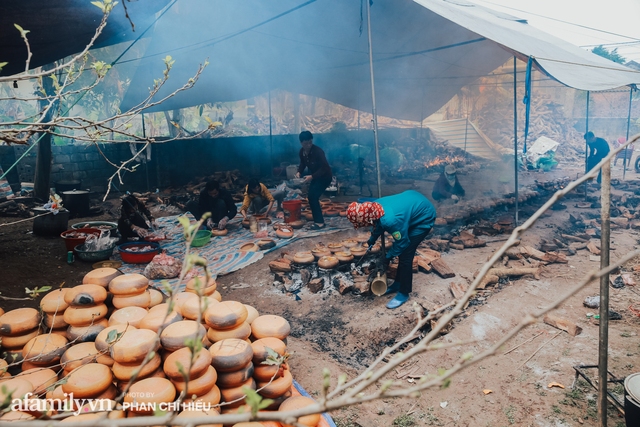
<point>62,158</point>
<point>93,156</point>
<point>78,157</point>
<point>79,175</point>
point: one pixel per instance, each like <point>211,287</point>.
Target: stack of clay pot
<point>199,285</point>
<point>130,290</point>
<point>90,381</point>
<point>17,328</point>
<point>81,354</point>
<point>227,319</point>
<point>232,360</point>
<point>53,306</point>
<point>158,317</point>
<point>275,381</point>
<point>86,314</point>
<point>149,394</point>
<point>130,350</point>
<point>202,376</point>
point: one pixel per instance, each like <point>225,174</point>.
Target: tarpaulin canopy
<point>64,27</point>
<point>424,51</point>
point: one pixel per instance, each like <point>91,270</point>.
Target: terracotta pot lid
<point>191,283</point>
<point>158,317</point>
<point>88,381</point>
<point>54,301</point>
<point>328,262</point>
<point>252,313</point>
<point>305,257</point>
<point>78,355</point>
<point>260,352</point>
<point>299,402</point>
<point>105,338</point>
<point>182,357</point>
<point>40,378</point>
<point>85,316</point>
<point>85,295</point>
<point>226,315</point>
<point>233,394</point>
<point>86,333</point>
<point>15,388</point>
<point>180,298</point>
<point>212,397</point>
<point>235,378</point>
<point>229,355</point>
<point>174,336</point>
<point>101,276</point>
<point>19,321</point>
<point>218,232</point>
<point>134,345</point>
<point>18,342</point>
<point>241,332</point>
<point>131,315</point>
<point>128,284</point>
<point>192,308</point>
<point>141,300</point>
<point>278,387</point>
<point>199,385</point>
<point>270,325</point>
<point>349,243</point>
<point>44,349</point>
<point>151,390</point>
<point>125,371</point>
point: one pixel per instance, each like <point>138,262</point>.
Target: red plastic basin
<point>138,253</point>
<point>75,237</point>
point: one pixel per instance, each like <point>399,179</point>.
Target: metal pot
<point>77,202</point>
<point>62,186</point>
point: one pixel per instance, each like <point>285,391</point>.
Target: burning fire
<point>452,160</point>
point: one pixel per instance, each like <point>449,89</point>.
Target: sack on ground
<point>162,266</point>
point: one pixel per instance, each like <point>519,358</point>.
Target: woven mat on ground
<point>222,253</point>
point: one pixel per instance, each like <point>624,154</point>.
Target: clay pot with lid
<point>375,248</point>
<point>362,237</point>
<point>325,202</point>
<point>284,232</point>
<point>303,257</point>
<point>358,251</point>
<point>343,256</point>
<point>335,247</point>
<point>320,252</point>
<point>296,225</point>
<point>328,262</point>
<point>308,216</point>
<point>349,243</point>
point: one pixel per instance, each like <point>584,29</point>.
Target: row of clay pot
<point>102,365</point>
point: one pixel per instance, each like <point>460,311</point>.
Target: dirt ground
<point>345,333</point>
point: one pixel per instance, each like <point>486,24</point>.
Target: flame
<point>444,160</point>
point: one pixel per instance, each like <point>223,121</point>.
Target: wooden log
<point>514,253</point>
<point>361,287</point>
<point>555,257</point>
<point>428,254</point>
<point>458,289</point>
<point>488,279</point>
<point>573,238</point>
<point>424,265</point>
<point>530,252</point>
<point>456,246</point>
<point>475,243</point>
<point>344,285</point>
<point>316,285</point>
<point>442,269</point>
<point>279,265</point>
<point>566,325</point>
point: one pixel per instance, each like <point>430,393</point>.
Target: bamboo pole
<point>603,341</point>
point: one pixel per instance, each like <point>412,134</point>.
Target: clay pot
<point>319,252</point>
<point>325,202</point>
<point>335,247</point>
<point>343,256</point>
<point>331,212</point>
<point>252,313</point>
<point>264,244</point>
<point>308,216</point>
<point>343,213</point>
<point>230,355</point>
<point>225,315</point>
<point>270,325</point>
<point>284,233</point>
<point>249,247</point>
<point>303,257</point>
<point>218,232</point>
<point>349,243</point>
<point>328,262</point>
<point>297,224</point>
<point>362,237</point>
<point>245,223</point>
<point>375,248</point>
<point>298,402</point>
<point>358,251</point>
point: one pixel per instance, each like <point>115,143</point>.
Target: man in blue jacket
<point>408,217</point>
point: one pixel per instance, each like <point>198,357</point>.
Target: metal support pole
<point>515,132</point>
<point>624,164</point>
<point>586,146</point>
<point>603,341</point>
<point>270,136</point>
<point>373,99</point>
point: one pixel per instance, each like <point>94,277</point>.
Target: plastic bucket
<point>632,400</point>
<point>292,209</point>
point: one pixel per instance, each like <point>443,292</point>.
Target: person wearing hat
<point>447,186</point>
<point>408,217</point>
<point>598,150</point>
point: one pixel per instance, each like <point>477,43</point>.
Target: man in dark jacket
<point>216,200</point>
<point>447,186</point>
<point>598,150</point>
<point>312,157</point>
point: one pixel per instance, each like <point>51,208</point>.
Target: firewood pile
<point>546,118</point>
<point>17,207</point>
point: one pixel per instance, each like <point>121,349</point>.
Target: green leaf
<point>2,64</point>
<point>100,4</point>
<point>446,383</point>
<point>111,336</point>
<point>23,32</point>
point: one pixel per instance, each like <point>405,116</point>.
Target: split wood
<point>534,353</point>
<point>522,343</point>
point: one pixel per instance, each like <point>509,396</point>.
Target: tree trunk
<point>42,178</point>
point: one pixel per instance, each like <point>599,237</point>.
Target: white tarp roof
<point>424,51</point>
<point>463,134</point>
